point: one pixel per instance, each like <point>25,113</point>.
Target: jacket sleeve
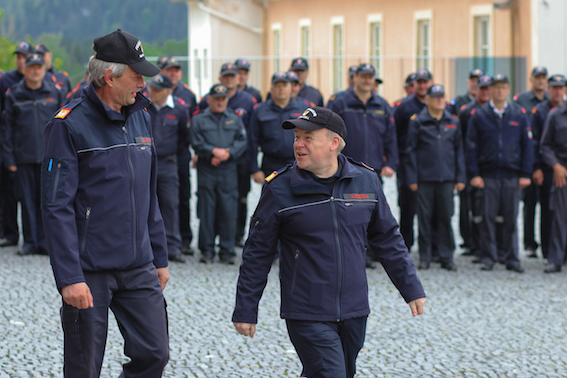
<point>411,153</point>
<point>548,141</point>
<point>537,127</point>
<point>390,141</point>
<point>183,128</point>
<point>386,240</point>
<point>472,140</point>
<point>257,257</point>
<point>59,183</point>
<point>8,133</point>
<point>527,147</point>
<point>460,170</point>
<point>238,147</point>
<point>252,137</point>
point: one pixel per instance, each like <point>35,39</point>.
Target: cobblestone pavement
<point>477,324</point>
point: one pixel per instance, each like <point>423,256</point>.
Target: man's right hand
<point>477,182</point>
<point>246,329</point>
<point>13,168</point>
<point>559,174</point>
<point>259,177</point>
<point>78,295</point>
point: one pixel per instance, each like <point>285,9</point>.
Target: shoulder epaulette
<point>332,98</point>
<point>360,164</point>
<point>456,116</point>
<point>181,101</point>
<point>53,78</point>
<point>58,86</point>
<point>255,105</point>
<point>534,110</point>
<point>463,107</point>
<point>516,97</point>
<point>272,176</point>
<point>63,113</point>
<point>413,117</point>
<point>473,111</point>
<point>523,110</point>
<point>64,73</point>
<point>185,85</point>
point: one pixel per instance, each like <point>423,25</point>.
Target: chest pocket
<point>356,212</point>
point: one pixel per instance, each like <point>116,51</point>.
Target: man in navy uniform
<point>243,67</point>
<point>408,88</point>
<point>103,225</point>
<point>60,78</point>
<point>319,213</point>
<point>301,68</point>
<point>170,119</point>
<point>435,168</point>
<point>543,173</point>
<point>219,139</point>
<point>458,102</point>
<point>500,161</point>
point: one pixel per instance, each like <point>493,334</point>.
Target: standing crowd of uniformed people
<point>489,150</point>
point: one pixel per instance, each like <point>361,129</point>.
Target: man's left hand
<point>417,306</point>
<point>459,186</point>
<point>387,172</point>
<point>163,277</point>
<point>524,182</point>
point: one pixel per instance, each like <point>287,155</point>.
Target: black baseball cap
<point>352,70</point>
<point>169,63</point>
<point>228,69</point>
<point>410,79</point>
<point>299,64</point>
<point>34,59</point>
<point>476,73</point>
<point>436,90</point>
<point>539,70</point>
<point>423,74</point>
<point>365,68</point>
<point>41,49</point>
<point>378,80</point>
<point>292,76</point>
<point>556,81</point>
<point>499,78</point>
<point>122,47</point>
<point>317,118</point>
<point>242,64</point>
<point>218,90</point>
<point>161,82</point>
<point>161,61</point>
<point>24,48</point>
<point>280,76</point>
<point>484,81</point>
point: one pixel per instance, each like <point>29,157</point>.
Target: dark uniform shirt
<point>537,121</point>
<point>254,92</point>
<point>458,102</point>
<point>6,82</point>
<point>242,103</point>
<point>528,100</point>
<point>311,94</point>
<point>61,78</point>
<point>554,138</point>
<point>402,114</point>
<point>170,127</point>
<point>183,92</point>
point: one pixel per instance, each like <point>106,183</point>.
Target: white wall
<point>552,34</point>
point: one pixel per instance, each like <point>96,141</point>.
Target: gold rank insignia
<point>366,166</point>
<point>271,176</point>
<point>63,113</point>
<point>413,117</point>
<point>379,112</point>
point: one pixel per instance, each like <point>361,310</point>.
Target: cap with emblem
<point>228,69</point>
<point>423,74</point>
<point>161,82</point>
<point>410,79</point>
<point>218,90</point>
<point>352,70</point>
<point>317,118</point>
<point>476,73</point>
<point>169,63</point>
<point>34,59</point>
<point>280,76</point>
<point>242,64</point>
<point>484,81</point>
<point>23,48</point>
<point>556,81</point>
<point>41,49</point>
<point>299,64</point>
<point>539,70</point>
<point>436,90</point>
<point>161,61</point>
<point>499,78</point>
<point>292,77</point>
<point>122,47</point>
<point>365,68</point>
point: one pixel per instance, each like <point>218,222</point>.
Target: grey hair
<point>342,143</point>
<point>97,68</point>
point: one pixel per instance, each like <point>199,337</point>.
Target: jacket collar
<point>302,183</point>
<point>353,100</point>
<point>141,103</point>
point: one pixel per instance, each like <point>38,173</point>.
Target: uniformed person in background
<point>29,106</point>
<point>243,67</point>
<point>435,168</point>
<point>301,68</point>
<point>543,173</point>
<point>403,112</point>
<point>170,67</point>
<point>219,139</point>
<point>170,131</point>
<point>495,129</point>
<point>376,84</point>
<point>408,88</point>
<point>458,102</point>
<point>350,79</point>
<point>265,131</point>
<point>470,216</point>
<point>10,229</point>
<point>528,100</point>
<point>554,155</point>
<point>60,78</point>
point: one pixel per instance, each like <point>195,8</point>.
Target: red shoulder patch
<point>523,110</point>
<point>534,110</point>
<point>463,107</point>
<point>473,111</point>
<point>53,79</point>
<point>65,73</point>
<point>255,106</point>
<point>181,101</point>
<point>456,116</point>
<point>516,97</point>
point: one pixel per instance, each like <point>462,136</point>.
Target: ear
<point>335,142</point>
<point>108,78</point>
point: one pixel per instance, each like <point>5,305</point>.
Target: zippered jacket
<point>98,189</point>
<point>321,238</point>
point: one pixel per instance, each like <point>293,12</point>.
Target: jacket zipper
<point>296,257</point>
<point>56,181</point>
<point>84,241</point>
<point>132,192</point>
<point>339,255</point>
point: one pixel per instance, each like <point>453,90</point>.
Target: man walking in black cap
<point>301,68</point>
<point>104,230</point>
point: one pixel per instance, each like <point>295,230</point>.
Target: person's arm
<point>471,141</point>
<point>390,143</point>
<point>7,138</point>
<point>411,155</point>
<point>238,147</point>
<point>460,170</point>
<point>527,151</point>
<point>201,146</point>
<point>183,128</point>
<point>252,137</point>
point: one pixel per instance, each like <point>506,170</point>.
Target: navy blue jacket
<point>183,92</point>
<point>60,78</point>
<point>528,100</point>
<point>254,92</point>
<point>208,132</point>
<point>98,190</point>
<point>371,133</point>
<point>26,114</point>
<point>321,238</point>
<point>456,104</point>
<point>499,147</point>
<point>435,149</point>
<point>8,80</point>
<point>265,132</point>
<point>554,138</point>
<point>402,114</point>
<point>537,121</point>
<point>170,128</point>
<point>311,94</point>
<point>242,103</point>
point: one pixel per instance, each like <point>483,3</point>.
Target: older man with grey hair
<point>104,231</point>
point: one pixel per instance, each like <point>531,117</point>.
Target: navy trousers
<point>9,205</point>
<point>28,191</point>
<point>327,349</point>
<point>183,160</point>
<point>558,239</point>
<point>168,198</point>
<point>136,299</point>
<point>243,171</point>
